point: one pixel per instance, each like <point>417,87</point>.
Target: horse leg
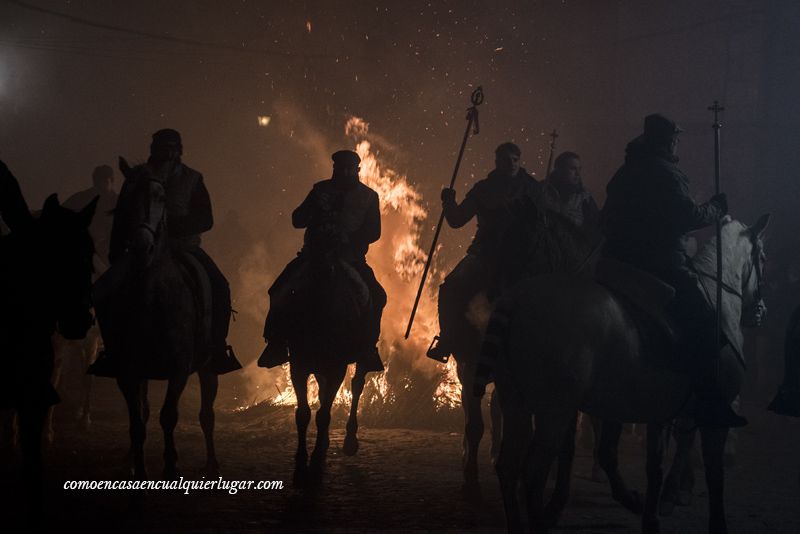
<point>31,420</point>
<point>513,443</point>
<point>328,388</point>
<point>473,428</point>
<point>60,346</point>
<point>132,391</point>
<point>89,353</point>
<point>350,446</point>
<point>302,416</point>
<point>496,417</point>
<point>558,501</point>
<point>8,434</point>
<point>608,458</point>
<point>548,439</point>
<point>681,464</point>
<point>713,445</point>
<point>169,420</point>
<point>209,383</point>
<point>655,477</point>
<point>733,437</point>
<point>596,429</point>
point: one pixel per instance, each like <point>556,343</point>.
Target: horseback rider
<point>646,218</point>
<point>564,192</point>
<point>102,181</point>
<point>341,214</point>
<point>188,212</point>
<point>490,200</point>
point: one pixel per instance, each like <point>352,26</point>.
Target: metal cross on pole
<point>472,124</point>
<point>716,108</point>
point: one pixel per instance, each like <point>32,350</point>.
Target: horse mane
<point>541,240</point>
<point>706,257</point>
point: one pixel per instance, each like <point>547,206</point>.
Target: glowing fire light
<point>264,120</point>
<point>398,260</point>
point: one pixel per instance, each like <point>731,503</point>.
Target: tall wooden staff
<point>472,124</point>
<point>716,108</point>
<point>552,151</point>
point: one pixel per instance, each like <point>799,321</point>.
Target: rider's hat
<point>345,158</point>
<point>167,136</point>
<point>659,129</point>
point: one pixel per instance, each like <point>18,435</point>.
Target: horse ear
<point>124,167</point>
<point>51,205</point>
<point>87,213</point>
<point>758,228</point>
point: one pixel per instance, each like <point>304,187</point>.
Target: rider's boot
<point>105,365</point>
<point>440,349</point>
<point>276,353</point>
<point>370,360</point>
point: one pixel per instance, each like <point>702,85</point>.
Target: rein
<point>727,287</point>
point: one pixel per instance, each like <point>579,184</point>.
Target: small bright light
<point>308,26</point>
<point>263,120</point>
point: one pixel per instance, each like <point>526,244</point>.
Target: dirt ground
<point>402,480</point>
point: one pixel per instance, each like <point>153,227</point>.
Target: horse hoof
<point>666,506</point>
<point>350,446</point>
<point>471,491</point>
<point>136,506</point>
<point>210,471</point>
<point>598,475</point>
<point>651,526</point>
<point>630,500</point>
<point>552,513</point>
<point>300,475</point>
<point>171,473</point>
<point>317,463</point>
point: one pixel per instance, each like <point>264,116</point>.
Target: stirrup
<point>436,353</point>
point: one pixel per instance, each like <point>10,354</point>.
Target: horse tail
<point>493,343</point>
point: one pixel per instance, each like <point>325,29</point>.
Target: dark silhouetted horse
<point>538,241</point>
<point>564,343</point>
<point>151,320</point>
<point>328,316</point>
<point>45,280</point>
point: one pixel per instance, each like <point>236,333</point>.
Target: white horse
<point>566,343</point>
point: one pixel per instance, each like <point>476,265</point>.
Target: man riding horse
<point>188,211</point>
<point>340,215</point>
<point>490,201</point>
<point>646,218</point>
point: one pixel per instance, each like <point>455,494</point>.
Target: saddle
<point>645,297</point>
<point>105,295</point>
<point>197,278</point>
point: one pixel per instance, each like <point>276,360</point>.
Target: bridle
<point>755,267</point>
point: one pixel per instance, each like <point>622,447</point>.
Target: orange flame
<point>398,261</point>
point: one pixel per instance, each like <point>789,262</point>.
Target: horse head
<point>142,204</point>
<point>68,245</point>
<point>539,241</point>
<point>754,310</point>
